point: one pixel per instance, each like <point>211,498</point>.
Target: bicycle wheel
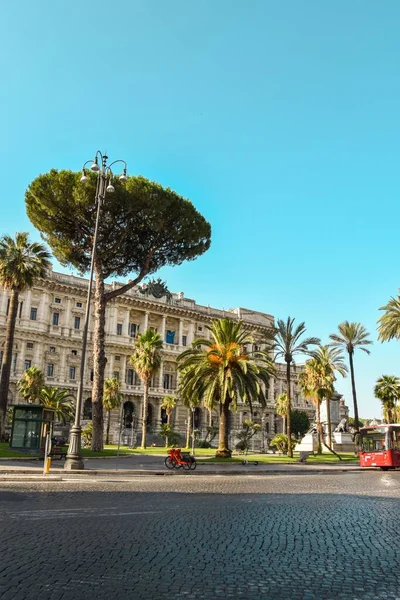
<point>186,466</point>
<point>193,464</point>
<point>169,463</point>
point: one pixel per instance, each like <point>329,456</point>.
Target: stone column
<point>64,368</point>
<point>191,333</point>
<point>161,375</point>
<point>125,326</point>
<point>180,332</point>
<point>42,307</point>
<point>163,323</point>
<point>146,322</point>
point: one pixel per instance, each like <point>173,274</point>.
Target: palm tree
<point>387,390</point>
<point>315,386</point>
<point>281,408</point>
<point>220,371</point>
<point>287,345</point>
<point>389,322</point>
<point>21,262</point>
<point>59,400</point>
<point>351,336</point>
<point>112,398</point>
<point>330,361</point>
<point>31,383</point>
<point>168,405</point>
<point>146,359</point>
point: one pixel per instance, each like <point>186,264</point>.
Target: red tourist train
<point>379,446</point>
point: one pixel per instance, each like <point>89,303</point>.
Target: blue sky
<point>279,120</point>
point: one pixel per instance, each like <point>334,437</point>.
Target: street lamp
<point>104,184</point>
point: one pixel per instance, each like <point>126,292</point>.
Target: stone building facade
<point>49,336</point>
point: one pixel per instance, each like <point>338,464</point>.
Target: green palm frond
<point>389,322</point>
<point>146,357</point>
<point>351,336</point>
<point>22,261</point>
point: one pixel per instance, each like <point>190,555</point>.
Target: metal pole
<point>120,428</point>
<point>74,458</point>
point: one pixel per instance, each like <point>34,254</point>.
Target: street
<point>292,536</point>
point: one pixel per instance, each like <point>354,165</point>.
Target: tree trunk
<point>188,429</point>
<point>7,359</point>
<point>210,417</point>
<point>99,360</point>
<point>289,408</point>
<point>144,412</point>
<point>284,428</point>
<point>353,388</point>
<point>223,442</point>
<point>319,426</point>
<point>108,427</point>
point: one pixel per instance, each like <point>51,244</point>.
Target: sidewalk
<point>140,465</point>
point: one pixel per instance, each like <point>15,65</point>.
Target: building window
<point>116,375</point>
<point>130,376</point>
<point>28,364</point>
<point>56,317</point>
<point>74,352</point>
<point>168,381</point>
<point>170,337</point>
<point>133,330</point>
<point>117,358</point>
<point>119,328</point>
<point>29,345</point>
<point>50,370</point>
<point>79,305</point>
<point>72,372</point>
<point>199,328</point>
<point>20,308</point>
<point>33,314</point>
<point>52,349</point>
<point>184,340</point>
<point>57,300</point>
<point>77,323</point>
<point>91,375</point>
<point>87,408</point>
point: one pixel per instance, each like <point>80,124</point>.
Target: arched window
<point>164,416</point>
<point>87,409</point>
<point>149,415</point>
<point>129,409</point>
<point>197,418</point>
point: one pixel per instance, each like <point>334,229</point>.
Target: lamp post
<point>104,185</point>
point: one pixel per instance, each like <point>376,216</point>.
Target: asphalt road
<point>280,536</point>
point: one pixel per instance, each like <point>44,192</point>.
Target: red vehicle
<point>379,446</point>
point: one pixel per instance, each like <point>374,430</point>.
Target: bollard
<point>47,465</point>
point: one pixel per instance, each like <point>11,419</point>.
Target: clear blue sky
<point>279,120</point>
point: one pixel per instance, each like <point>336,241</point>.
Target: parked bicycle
<point>176,459</point>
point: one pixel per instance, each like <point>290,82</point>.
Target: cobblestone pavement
<point>305,537</point>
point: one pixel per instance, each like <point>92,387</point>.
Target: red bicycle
<point>176,460</point>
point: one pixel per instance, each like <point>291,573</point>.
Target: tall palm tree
<point>287,345</point>
<point>191,398</point>
<point>389,322</point>
<point>168,405</point>
<point>112,398</point>
<point>59,400</point>
<point>330,361</point>
<point>350,337</point>
<point>281,408</point>
<point>222,371</point>
<point>316,385</point>
<point>387,390</point>
<point>21,262</point>
<point>31,384</point>
<point>146,359</point>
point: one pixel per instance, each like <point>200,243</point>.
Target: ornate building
<point>49,331</point>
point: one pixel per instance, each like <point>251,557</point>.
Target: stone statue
<point>313,428</point>
<point>343,427</point>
